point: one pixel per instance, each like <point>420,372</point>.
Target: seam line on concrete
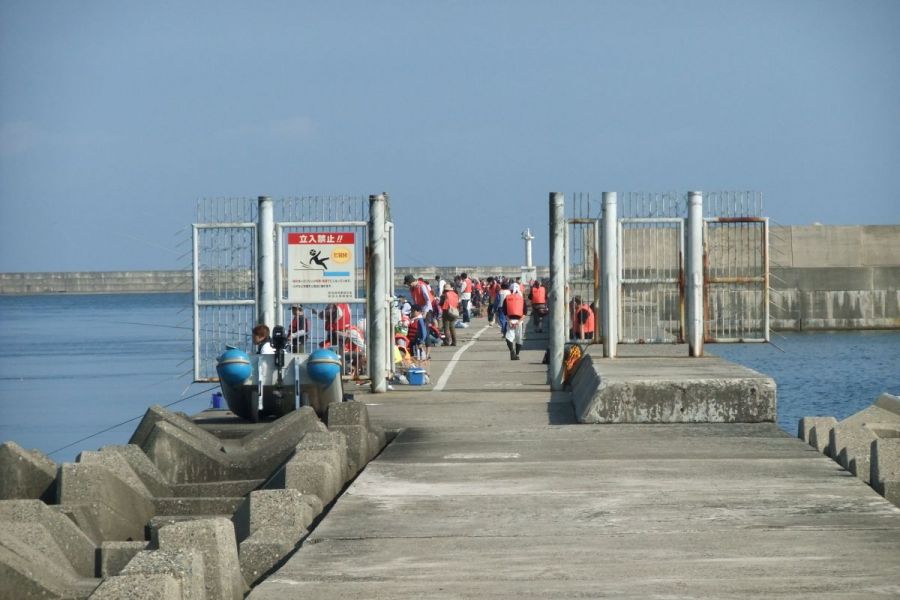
<point>449,370</point>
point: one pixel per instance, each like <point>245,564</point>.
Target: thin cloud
<point>18,138</point>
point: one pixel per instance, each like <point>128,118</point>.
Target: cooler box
<point>416,377</point>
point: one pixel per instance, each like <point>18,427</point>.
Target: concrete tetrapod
<point>26,474</point>
<point>864,443</point>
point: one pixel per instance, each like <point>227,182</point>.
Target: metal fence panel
<point>736,279</point>
<point>651,277</point>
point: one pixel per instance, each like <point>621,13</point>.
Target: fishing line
<point>129,421</point>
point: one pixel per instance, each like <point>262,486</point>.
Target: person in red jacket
<point>538,297</point>
<point>582,320</point>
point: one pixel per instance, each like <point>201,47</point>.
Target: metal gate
<point>583,254</point>
<point>224,269</point>
<point>225,279</point>
<point>736,268</point>
<point>651,265</point>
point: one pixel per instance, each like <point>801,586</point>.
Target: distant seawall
<point>823,277</point>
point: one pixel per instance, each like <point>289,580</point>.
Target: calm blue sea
<point>72,365</point>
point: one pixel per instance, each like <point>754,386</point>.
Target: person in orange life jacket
<point>299,328</point>
<point>261,340</point>
<point>420,292</point>
<point>450,304</point>
<point>582,320</point>
<point>538,297</point>
<point>465,296</point>
<point>513,309</point>
<point>337,317</point>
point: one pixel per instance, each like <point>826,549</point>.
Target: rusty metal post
<point>694,275</point>
<point>609,273</point>
<point>557,295</point>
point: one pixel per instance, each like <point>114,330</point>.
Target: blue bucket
<point>216,400</point>
<point>416,376</point>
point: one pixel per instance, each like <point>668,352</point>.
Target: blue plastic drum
<point>234,366</point>
<point>323,366</point>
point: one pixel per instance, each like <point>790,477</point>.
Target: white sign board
<point>321,267</point>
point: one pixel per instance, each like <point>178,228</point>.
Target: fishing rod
<point>129,421</point>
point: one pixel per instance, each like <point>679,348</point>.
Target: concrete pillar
<point>694,274</point>
<point>609,275</point>
<point>265,263</point>
<point>557,292</point>
<point>378,297</point>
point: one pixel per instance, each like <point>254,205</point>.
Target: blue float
<point>233,366</point>
<point>323,366</point>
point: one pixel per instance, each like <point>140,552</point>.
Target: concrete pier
<point>493,490</point>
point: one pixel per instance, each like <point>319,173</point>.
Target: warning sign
<point>321,267</point>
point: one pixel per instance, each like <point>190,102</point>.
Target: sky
<point>117,116</point>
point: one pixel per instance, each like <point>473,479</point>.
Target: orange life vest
<point>451,300</point>
<point>539,295</point>
<point>421,296</point>
<point>588,326</point>
<point>338,322</point>
<point>467,288</point>
<point>515,306</point>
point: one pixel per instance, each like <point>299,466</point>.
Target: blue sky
<point>116,116</point>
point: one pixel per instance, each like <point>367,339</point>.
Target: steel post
<point>609,273</point>
<point>377,327</point>
<point>694,273</point>
<point>265,257</point>
<point>557,295</point>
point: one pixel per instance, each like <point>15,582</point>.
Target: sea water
<point>75,365</point>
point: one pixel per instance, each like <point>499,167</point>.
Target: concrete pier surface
<point>493,490</point>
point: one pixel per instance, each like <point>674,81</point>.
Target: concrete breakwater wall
<point>181,511</point>
<point>822,277</point>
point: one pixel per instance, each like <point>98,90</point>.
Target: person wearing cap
<point>299,328</point>
<point>450,309</point>
<point>421,294</point>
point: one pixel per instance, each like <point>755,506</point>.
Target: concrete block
<point>32,565</point>
<point>377,442</point>
<point>310,475</point>
<point>820,435</point>
<point>891,491</point>
<point>850,444</point>
<point>157,414</point>
<point>880,244</point>
<point>26,475</point>
<point>158,522</point>
<point>288,510</point>
<point>76,546</point>
<point>239,487</point>
<point>85,517</point>
<point>115,555</point>
<point>215,540</point>
<point>215,505</point>
<point>123,509</point>
<point>348,413</point>
<point>890,403</point>
<point>329,440</point>
<point>806,430</point>
<point>885,462</point>
<point>140,586</point>
<point>357,445</point>
<point>182,458</point>
<point>143,467</point>
<point>260,552</point>
<point>186,566</point>
<point>117,464</point>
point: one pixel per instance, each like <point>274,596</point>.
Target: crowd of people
<point>430,316</point>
